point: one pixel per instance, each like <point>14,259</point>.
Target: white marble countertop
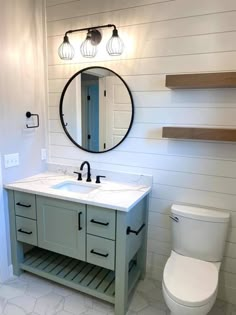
<point>114,195</point>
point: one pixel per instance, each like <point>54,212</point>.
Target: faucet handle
<point>98,179</point>
<point>79,175</point>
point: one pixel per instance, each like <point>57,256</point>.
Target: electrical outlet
<point>11,160</point>
<point>43,154</point>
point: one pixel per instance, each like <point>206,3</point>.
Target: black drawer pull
<point>99,254</point>
<point>22,205</point>
<point>21,231</point>
<point>79,221</point>
<point>98,222</point>
<point>135,232</point>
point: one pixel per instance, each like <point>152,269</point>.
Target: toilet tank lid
<point>200,213</point>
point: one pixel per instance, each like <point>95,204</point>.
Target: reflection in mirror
<point>96,109</point>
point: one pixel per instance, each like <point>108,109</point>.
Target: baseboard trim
<point>7,274</point>
<point>227,294</point>
<point>10,271</point>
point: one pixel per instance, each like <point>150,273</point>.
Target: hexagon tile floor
<point>31,295</point>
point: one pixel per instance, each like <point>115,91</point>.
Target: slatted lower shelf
<point>79,275</point>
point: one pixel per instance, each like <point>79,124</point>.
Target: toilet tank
<point>199,233</point>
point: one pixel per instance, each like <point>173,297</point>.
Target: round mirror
<point>96,109</point>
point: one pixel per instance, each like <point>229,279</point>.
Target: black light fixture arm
<point>90,28</point>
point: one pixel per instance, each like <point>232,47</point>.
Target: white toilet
<point>190,279</point>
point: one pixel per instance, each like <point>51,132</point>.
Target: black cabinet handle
<point>21,231</point>
<point>99,254</point>
<point>79,221</point>
<point>135,232</point>
<point>22,205</point>
<point>98,222</point>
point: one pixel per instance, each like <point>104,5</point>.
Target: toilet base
<point>179,309</point>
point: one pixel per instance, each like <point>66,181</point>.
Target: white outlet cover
<point>11,160</point>
<point>43,154</point>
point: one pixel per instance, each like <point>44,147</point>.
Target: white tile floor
<point>31,295</point>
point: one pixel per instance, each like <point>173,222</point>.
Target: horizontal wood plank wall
<point>161,37</point>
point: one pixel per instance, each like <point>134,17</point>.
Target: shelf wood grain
<point>201,80</point>
<point>214,134</point>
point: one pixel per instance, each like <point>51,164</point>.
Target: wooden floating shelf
<point>76,274</point>
<point>201,80</point>
<point>199,133</point>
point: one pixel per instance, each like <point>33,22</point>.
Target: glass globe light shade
<point>87,48</point>
<point>66,50</point>
<point>115,45</point>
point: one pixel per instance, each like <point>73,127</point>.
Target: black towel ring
<point>28,115</point>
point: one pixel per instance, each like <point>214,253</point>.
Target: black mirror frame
<point>61,112</point>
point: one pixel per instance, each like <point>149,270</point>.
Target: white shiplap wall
<point>175,36</point>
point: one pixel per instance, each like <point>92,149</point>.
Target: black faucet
<point>89,172</point>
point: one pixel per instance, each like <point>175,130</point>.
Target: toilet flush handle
<point>174,218</point>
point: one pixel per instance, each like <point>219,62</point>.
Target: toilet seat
<point>189,281</point>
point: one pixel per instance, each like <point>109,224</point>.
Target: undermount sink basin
<point>70,186</point>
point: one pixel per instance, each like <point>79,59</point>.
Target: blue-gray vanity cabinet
<point>96,250</point>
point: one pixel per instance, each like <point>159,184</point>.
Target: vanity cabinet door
<point>61,226</point>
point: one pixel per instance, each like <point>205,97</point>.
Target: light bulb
<point>115,45</point>
<point>87,48</point>
<point>66,50</point>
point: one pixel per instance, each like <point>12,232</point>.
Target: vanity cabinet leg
<point>141,260</point>
<point>122,268</point>
<point>17,258</point>
<point>17,251</point>
<point>142,253</point>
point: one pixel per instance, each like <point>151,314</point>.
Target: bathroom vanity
<point>94,241</point>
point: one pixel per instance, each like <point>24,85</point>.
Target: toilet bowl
<point>190,278</point>
<point>189,285</point>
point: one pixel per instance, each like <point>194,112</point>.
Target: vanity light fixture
<point>88,48</point>
<point>115,45</point>
<point>66,50</point>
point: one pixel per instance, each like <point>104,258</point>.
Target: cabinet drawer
<point>25,205</point>
<point>26,230</point>
<point>101,222</point>
<point>101,252</point>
